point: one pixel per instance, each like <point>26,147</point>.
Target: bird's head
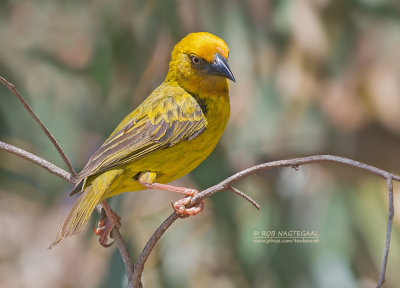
<point>199,63</point>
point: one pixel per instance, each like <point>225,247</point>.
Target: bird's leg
<point>109,220</point>
<point>147,180</point>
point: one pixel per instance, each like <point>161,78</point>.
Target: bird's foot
<point>183,212</point>
<point>146,179</point>
<point>109,220</point>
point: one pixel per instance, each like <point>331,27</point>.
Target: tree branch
<point>115,234</point>
<point>134,272</point>
<point>37,160</point>
<point>126,257</point>
<point>14,90</point>
<point>381,280</point>
<point>294,163</point>
<point>139,265</point>
<point>70,177</point>
<point>245,196</point>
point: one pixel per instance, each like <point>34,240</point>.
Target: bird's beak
<point>220,67</point>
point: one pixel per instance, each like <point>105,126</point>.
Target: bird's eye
<point>195,60</point>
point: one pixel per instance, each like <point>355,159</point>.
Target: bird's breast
<point>178,160</point>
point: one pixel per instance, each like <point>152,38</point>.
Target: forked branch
<point>37,160</point>
<point>46,131</point>
<point>293,163</point>
<point>134,272</point>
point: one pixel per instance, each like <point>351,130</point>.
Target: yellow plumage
<point>169,134</point>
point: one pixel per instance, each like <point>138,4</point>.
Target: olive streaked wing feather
<point>137,139</point>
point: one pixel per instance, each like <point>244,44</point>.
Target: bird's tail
<point>84,206</point>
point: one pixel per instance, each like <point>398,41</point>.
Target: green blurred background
<point>313,76</point>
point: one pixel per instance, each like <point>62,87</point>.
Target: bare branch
<point>70,177</point>
<point>115,234</point>
<point>134,273</point>
<point>388,233</point>
<point>14,90</point>
<point>290,163</point>
<point>37,160</point>
<point>126,257</point>
<point>123,249</point>
<point>139,265</point>
<point>245,196</point>
<point>295,163</point>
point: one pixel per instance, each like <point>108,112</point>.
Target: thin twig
<point>126,257</point>
<point>122,247</point>
<point>388,234</point>
<point>37,160</point>
<point>14,90</point>
<point>139,265</point>
<point>290,163</point>
<point>245,196</point>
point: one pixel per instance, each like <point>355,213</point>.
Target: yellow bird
<point>166,137</point>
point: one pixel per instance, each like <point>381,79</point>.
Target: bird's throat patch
<point>201,102</point>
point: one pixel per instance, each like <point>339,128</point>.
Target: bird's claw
<point>105,226</point>
<point>190,192</point>
<point>183,212</point>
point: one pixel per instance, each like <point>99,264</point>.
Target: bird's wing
<point>160,122</point>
